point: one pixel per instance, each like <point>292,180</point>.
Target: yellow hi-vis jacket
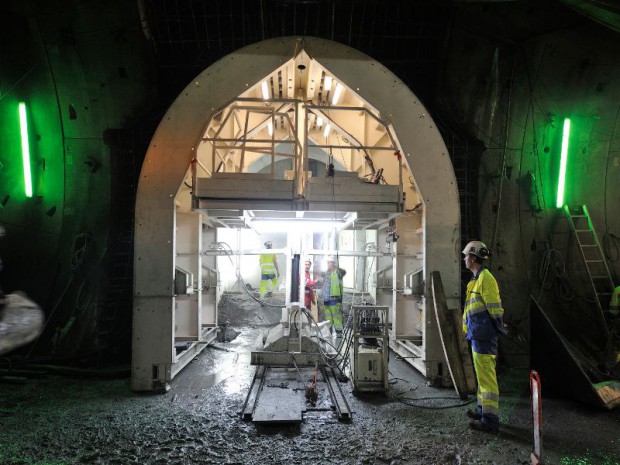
<point>267,266</point>
<point>483,314</point>
<point>332,287</point>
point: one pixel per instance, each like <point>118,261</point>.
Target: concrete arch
<point>172,149</point>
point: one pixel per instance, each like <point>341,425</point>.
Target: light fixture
<point>328,83</point>
<point>328,127</point>
<point>337,94</point>
<point>270,128</point>
<point>563,161</point>
<point>23,125</point>
<point>319,122</point>
<point>265,90</point>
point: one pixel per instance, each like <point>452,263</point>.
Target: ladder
<point>587,241</point>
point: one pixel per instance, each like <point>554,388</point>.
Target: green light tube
<point>23,124</point>
<point>563,160</point>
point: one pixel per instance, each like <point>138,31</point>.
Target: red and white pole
<point>535,388</point>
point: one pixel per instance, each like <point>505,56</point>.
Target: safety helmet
<point>331,259</point>
<point>478,249</point>
<point>307,261</point>
<point>268,244</point>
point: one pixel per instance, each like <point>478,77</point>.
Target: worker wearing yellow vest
<point>482,323</point>
<point>332,294</point>
<point>269,272</point>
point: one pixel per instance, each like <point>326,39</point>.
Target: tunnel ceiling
<point>407,37</point>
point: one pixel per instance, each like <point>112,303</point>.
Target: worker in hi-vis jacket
<point>332,294</point>
<point>482,324</point>
<point>269,272</point>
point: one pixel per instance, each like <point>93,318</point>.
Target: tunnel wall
<point>78,79</point>
<point>514,95</point>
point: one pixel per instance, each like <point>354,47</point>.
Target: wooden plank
<point>449,337</point>
<point>466,360</point>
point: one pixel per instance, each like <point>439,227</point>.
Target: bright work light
<point>23,125</point>
<point>563,160</point>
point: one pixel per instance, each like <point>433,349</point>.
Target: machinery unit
<point>369,358</point>
<point>295,360</point>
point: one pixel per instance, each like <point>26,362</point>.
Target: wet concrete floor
<point>60,420</point>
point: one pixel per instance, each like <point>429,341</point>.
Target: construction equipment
<point>296,372</point>
<point>597,270</point>
<point>369,358</point>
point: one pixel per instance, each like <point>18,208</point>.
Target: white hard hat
<point>478,249</point>
<point>331,259</point>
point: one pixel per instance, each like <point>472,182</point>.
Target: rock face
<point>21,322</point>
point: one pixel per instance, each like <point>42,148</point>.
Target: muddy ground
<point>65,420</point>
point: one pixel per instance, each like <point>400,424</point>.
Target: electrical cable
<point>552,265</point>
<point>406,400</point>
<point>80,248</point>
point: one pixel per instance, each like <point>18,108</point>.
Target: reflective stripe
<point>473,300</point>
<point>267,264</point>
<point>492,396</point>
<point>474,311</point>
<point>497,305</point>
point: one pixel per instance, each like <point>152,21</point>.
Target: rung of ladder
<point>583,231</point>
<point>588,245</point>
<point>594,261</point>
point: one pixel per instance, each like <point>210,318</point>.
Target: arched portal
<point>169,228</point>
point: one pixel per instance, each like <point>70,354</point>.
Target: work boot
<point>479,426</point>
<point>474,415</point>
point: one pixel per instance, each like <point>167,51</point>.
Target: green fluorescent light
<point>23,124</point>
<point>564,157</point>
